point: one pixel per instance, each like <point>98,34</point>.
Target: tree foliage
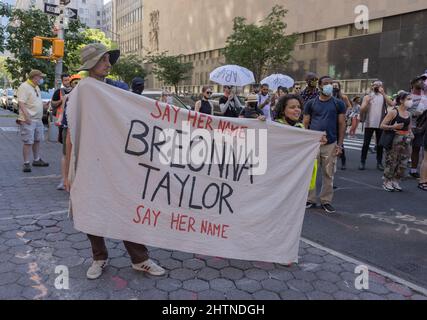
<point>24,25</point>
<point>260,48</point>
<point>77,39</point>
<point>129,67</point>
<point>169,69</point>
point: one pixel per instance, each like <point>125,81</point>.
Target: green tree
<point>22,27</point>
<point>260,48</point>
<point>25,25</point>
<point>76,38</point>
<point>129,67</point>
<point>4,74</point>
<point>169,69</point>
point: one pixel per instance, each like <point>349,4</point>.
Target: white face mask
<point>409,104</point>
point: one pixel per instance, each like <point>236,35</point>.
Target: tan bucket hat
<point>252,98</point>
<point>36,73</point>
<point>92,53</point>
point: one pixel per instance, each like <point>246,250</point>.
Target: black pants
<point>343,157</point>
<point>369,132</point>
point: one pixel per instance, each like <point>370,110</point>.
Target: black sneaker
<point>380,167</point>
<point>310,205</point>
<point>328,208</point>
<point>362,166</point>
<point>27,168</point>
<point>415,175</point>
<point>40,163</point>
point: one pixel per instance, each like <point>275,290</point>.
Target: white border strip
<point>408,284</point>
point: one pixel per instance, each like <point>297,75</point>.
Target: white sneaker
<point>60,186</point>
<point>95,271</point>
<point>397,186</point>
<point>150,267</point>
<point>388,186</point>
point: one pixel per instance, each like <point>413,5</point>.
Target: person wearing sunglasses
<point>205,105</point>
<point>230,104</point>
<point>297,89</point>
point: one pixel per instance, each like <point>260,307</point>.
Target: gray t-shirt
<point>375,112</point>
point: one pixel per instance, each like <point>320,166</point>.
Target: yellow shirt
<point>30,95</point>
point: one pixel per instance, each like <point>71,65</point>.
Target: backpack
<point>58,108</point>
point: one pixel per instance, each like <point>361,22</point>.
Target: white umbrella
<point>232,75</point>
<point>278,80</point>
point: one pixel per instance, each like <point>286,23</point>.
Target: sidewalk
<point>36,236</point>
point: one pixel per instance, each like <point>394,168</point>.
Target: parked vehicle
<point>6,98</point>
<point>157,94</point>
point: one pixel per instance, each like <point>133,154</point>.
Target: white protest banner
<point>166,177</point>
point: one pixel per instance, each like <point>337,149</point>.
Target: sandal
<point>423,186</point>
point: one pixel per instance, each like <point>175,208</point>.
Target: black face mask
<point>138,89</point>
<point>252,105</point>
<point>336,91</point>
<point>376,90</point>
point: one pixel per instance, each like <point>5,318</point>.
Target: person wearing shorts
<point>30,119</point>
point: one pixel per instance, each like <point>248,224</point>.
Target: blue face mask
<point>328,90</point>
<point>41,82</point>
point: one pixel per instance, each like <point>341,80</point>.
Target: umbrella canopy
<point>232,75</point>
<point>278,80</point>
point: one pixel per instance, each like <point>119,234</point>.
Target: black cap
<point>311,76</point>
<point>137,81</point>
<point>421,77</point>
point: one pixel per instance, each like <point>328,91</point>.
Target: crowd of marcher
<point>399,124</point>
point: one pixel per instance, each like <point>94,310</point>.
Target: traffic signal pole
<point>61,36</point>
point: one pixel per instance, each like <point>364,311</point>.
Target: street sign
<point>72,13</point>
<point>365,65</point>
<point>54,9</point>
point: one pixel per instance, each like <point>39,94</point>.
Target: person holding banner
<point>98,60</point>
<point>289,109</point>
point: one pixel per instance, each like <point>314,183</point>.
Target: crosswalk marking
<point>355,144</point>
<point>10,129</point>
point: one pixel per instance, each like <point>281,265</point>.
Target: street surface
<point>386,231</point>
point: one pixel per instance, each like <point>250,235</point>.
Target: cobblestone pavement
<point>36,236</point>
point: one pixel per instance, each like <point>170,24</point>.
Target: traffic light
<point>37,47</point>
<point>58,48</point>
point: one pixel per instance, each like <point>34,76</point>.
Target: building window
<point>321,35</point>
<point>342,32</point>
<point>376,26</point>
<point>357,32</point>
<point>309,37</point>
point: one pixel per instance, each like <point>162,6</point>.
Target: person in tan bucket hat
<point>98,60</point>
<point>30,122</point>
<point>92,54</point>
